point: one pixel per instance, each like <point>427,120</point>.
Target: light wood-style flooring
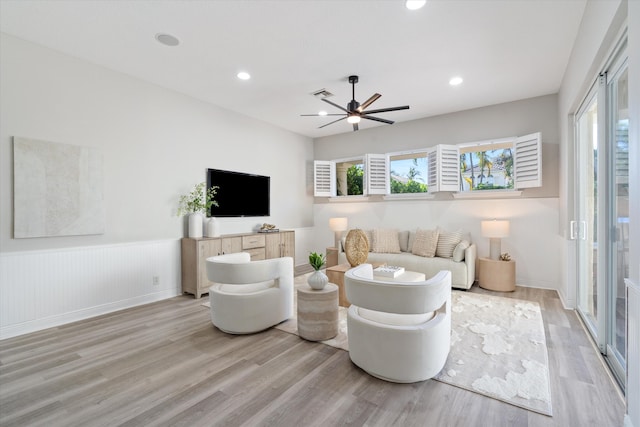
<point>164,364</point>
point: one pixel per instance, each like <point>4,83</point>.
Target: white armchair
<point>398,331</point>
<point>249,296</point>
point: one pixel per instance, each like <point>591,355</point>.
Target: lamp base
<point>494,248</point>
<point>338,237</point>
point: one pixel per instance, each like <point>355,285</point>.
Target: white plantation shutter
<point>324,178</point>
<point>444,168</point>
<point>527,161</point>
<point>377,174</point>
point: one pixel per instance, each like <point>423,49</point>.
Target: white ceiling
<point>504,49</point>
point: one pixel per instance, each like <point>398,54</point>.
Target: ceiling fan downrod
<point>353,104</point>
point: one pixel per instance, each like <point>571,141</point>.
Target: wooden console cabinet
<point>196,251</point>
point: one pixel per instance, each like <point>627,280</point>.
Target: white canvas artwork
<point>58,189</point>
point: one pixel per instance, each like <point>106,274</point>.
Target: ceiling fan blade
<point>321,115</point>
<point>377,119</point>
<point>369,102</point>
<point>334,104</point>
<point>384,110</point>
<point>355,127</point>
<point>330,123</point>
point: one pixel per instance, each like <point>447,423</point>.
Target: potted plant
<point>317,280</point>
<point>195,204</point>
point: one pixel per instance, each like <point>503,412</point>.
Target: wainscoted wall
<point>42,289</point>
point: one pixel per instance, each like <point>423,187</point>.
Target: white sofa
<point>462,272</point>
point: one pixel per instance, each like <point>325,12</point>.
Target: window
<point>505,164</point>
<point>408,173</point>
<point>350,178</point>
<point>487,167</point>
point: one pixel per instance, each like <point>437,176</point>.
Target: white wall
<point>534,241</point>
<point>156,145</point>
<point>535,267</point>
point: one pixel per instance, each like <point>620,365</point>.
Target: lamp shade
<point>495,228</point>
<point>338,224</point>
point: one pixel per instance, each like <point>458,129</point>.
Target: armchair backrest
<point>237,268</point>
<point>363,290</point>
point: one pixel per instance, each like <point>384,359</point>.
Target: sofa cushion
<point>385,241</point>
<point>403,239</point>
<point>429,266</point>
<point>458,251</point>
<point>425,243</point>
<point>447,241</point>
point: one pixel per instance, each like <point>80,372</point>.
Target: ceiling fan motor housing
<point>353,105</point>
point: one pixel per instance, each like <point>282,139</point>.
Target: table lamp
<point>495,230</point>
<point>338,225</point>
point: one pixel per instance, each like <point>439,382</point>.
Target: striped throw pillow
<point>447,242</point>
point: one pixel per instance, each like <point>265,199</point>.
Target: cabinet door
<point>273,246</point>
<point>231,245</point>
<point>288,243</point>
<point>206,248</point>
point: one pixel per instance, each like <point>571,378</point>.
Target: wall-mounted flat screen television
<point>239,194</point>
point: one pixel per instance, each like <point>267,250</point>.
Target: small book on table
<point>388,271</point>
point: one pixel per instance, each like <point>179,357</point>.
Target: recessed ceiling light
<point>167,39</point>
<point>455,81</point>
<point>322,113</point>
<point>415,4</point>
<point>243,75</point>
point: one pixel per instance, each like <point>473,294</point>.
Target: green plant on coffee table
<point>316,260</point>
<point>200,199</point>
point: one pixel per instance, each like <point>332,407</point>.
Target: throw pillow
<point>412,238</point>
<point>458,251</point>
<point>403,238</point>
<point>425,243</point>
<point>385,241</point>
<point>447,242</point>
<point>369,234</point>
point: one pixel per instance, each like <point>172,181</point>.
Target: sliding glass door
<point>601,226</point>
<point>618,214</point>
<point>585,228</point>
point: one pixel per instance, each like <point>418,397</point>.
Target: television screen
<point>239,194</point>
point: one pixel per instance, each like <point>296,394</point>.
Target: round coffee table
<point>318,313</point>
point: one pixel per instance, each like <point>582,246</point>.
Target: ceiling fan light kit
<point>356,111</point>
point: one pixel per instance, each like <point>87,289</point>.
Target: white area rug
<point>498,348</point>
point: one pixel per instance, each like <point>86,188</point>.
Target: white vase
<point>195,225</point>
<point>318,280</point>
<point>213,227</point>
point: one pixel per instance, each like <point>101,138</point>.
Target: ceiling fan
<point>356,111</point>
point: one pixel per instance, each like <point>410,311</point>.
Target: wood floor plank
<point>164,364</point>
